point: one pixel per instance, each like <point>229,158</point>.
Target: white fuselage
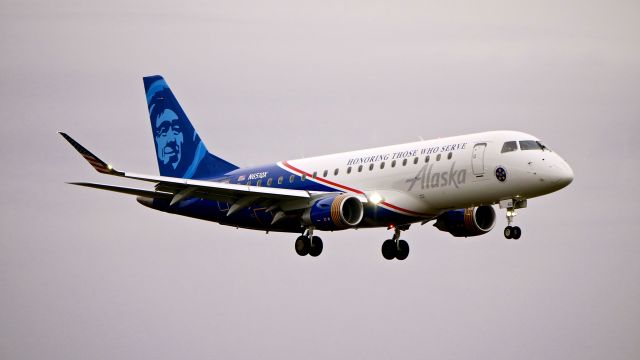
<point>426,178</point>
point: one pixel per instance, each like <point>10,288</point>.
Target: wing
<point>178,189</point>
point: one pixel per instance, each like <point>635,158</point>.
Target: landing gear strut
<point>512,232</point>
<point>394,247</point>
<point>308,244</point>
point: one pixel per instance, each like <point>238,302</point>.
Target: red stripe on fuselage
<point>321,179</point>
<point>310,176</point>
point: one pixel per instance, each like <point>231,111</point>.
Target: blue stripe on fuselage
<point>274,172</point>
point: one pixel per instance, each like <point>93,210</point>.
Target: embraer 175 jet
<point>454,181</point>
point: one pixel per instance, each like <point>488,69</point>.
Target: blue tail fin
<point>179,150</point>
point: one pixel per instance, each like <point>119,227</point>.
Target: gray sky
<point>88,274</point>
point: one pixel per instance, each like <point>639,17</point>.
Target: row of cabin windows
<point>292,178</point>
<point>382,165</point>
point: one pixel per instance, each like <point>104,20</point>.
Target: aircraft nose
<point>563,174</point>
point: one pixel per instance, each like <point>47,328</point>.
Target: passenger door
<point>477,159</point>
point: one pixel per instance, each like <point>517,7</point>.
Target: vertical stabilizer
<point>179,149</point>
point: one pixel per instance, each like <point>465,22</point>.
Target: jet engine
<point>334,213</point>
<point>472,221</point>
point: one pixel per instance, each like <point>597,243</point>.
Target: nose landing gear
<point>394,247</point>
<point>512,232</point>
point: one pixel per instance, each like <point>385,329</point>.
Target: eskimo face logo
<point>501,174</point>
<point>178,147</point>
<point>169,137</point>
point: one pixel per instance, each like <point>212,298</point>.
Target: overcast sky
<point>86,274</point>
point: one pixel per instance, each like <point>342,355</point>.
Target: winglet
<point>97,164</point>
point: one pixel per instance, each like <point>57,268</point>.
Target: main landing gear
<point>395,248</point>
<point>512,232</point>
<point>308,244</point>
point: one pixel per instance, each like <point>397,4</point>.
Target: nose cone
<point>562,174</point>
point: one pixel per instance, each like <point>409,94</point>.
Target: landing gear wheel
<point>403,250</point>
<point>389,249</point>
<point>508,232</point>
<point>303,245</point>
<point>316,246</point>
<point>516,233</point>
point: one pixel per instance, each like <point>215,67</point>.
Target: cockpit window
<point>532,145</point>
<point>510,146</point>
<point>543,146</point>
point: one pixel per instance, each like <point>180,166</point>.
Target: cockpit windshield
<point>509,146</point>
<point>543,146</point>
<point>532,145</point>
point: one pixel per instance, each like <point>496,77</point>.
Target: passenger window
<point>449,155</point>
<point>509,146</point>
<point>438,157</point>
<point>415,160</point>
<point>530,145</point>
<point>249,182</point>
<point>335,172</point>
<point>360,168</point>
<point>315,174</point>
<point>393,163</point>
<point>382,165</point>
<point>426,160</point>
<point>280,180</point>
<point>259,183</point>
<point>349,170</point>
<point>269,182</point>
<point>291,178</point>
<point>370,167</point>
<point>303,177</point>
<point>404,162</point>
<point>325,173</point>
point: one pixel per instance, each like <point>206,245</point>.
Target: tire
<point>403,250</point>
<point>508,232</point>
<point>516,233</point>
<point>388,249</point>
<point>315,248</point>
<point>302,245</point>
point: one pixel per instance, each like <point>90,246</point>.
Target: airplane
<point>453,181</point>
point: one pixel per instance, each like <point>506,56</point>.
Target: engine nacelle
<point>467,222</point>
<point>334,213</point>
